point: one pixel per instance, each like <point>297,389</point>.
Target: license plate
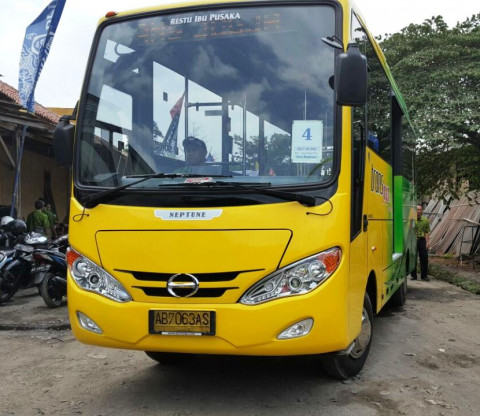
<point>178,322</point>
<point>26,249</point>
<point>42,268</point>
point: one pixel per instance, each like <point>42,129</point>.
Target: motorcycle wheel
<point>51,293</point>
<point>8,286</point>
<point>6,295</point>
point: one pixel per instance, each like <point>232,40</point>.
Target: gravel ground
<point>424,360</point>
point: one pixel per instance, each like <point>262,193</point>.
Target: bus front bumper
<point>238,330</point>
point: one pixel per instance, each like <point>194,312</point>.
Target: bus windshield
<point>245,93</point>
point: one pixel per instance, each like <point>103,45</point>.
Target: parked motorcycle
<point>51,267</point>
<point>5,257</point>
<point>7,240</point>
<point>16,263</point>
<point>5,236</point>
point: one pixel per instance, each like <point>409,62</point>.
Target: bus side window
<point>379,108</point>
<point>379,134</point>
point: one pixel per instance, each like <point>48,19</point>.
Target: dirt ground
<point>424,360</point>
<point>465,268</point>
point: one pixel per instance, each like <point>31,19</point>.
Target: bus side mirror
<point>352,74</point>
<point>63,141</point>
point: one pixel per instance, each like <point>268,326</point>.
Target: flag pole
<point>17,173</point>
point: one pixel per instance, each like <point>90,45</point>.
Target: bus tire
<point>399,298</point>
<point>166,358</point>
<point>344,366</point>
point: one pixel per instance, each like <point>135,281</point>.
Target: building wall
<point>6,178</point>
<point>32,182</point>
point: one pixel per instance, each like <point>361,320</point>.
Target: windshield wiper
<point>307,200</point>
<point>92,200</point>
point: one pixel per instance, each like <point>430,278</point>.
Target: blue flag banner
<point>36,46</point>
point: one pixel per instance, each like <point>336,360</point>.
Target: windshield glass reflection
<point>245,93</point>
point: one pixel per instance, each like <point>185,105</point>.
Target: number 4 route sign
<point>307,140</point>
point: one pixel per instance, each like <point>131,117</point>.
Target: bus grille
<point>148,282</point>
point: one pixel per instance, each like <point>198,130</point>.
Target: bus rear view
<point>211,207</point>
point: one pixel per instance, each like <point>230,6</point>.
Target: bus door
<point>380,218</point>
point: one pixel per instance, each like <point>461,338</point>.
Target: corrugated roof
<point>39,110</point>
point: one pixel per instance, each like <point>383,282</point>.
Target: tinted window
<point>378,107</point>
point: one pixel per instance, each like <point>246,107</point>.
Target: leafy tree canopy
<point>438,71</point>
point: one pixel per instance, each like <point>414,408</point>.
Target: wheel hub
<point>363,339</point>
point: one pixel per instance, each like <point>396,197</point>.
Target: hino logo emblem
<point>181,282</point>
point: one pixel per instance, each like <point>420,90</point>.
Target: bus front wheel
<point>344,366</point>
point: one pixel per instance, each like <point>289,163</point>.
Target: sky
<point>61,78</point>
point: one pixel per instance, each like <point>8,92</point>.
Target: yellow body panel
<point>262,244</point>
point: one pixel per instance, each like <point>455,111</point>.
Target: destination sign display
<point>204,25</point>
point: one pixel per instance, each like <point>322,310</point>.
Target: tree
<point>277,147</point>
<point>437,69</point>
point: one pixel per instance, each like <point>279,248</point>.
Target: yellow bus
<point>242,183</point>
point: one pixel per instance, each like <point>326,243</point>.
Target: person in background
<point>51,219</point>
<point>195,151</point>
<point>195,154</point>
<point>196,158</point>
<point>422,229</point>
<point>37,221</point>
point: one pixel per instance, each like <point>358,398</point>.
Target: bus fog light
<point>297,330</point>
<point>88,324</point>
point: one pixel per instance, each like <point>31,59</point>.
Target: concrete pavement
<point>27,310</point>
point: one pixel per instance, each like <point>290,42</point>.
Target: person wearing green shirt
<point>422,229</point>
<point>37,220</point>
<point>51,220</point>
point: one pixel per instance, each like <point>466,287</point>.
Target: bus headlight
<point>296,279</point>
<point>93,278</point>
